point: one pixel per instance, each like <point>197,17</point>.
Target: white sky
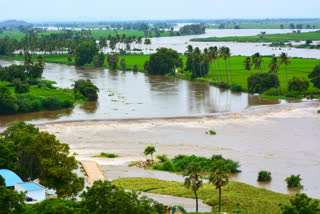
<point>63,10</point>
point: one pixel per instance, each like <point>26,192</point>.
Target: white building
<point>33,190</point>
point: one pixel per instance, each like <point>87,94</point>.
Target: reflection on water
<point>130,95</point>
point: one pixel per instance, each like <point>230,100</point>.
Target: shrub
<point>272,92</point>
<point>168,166</point>
<point>162,158</point>
<point>8,102</point>
<point>298,84</point>
<point>113,61</point>
<point>29,103</point>
<point>315,76</point>
<point>108,155</point>
<point>318,111</point>
<point>135,68</point>
<point>51,103</point>
<point>223,85</point>
<point>264,176</point>
<point>69,58</point>
<point>86,88</point>
<point>98,60</point>
<point>21,88</point>
<point>301,204</point>
<point>261,82</point>
<point>211,132</point>
<point>294,181</point>
<point>235,87</point>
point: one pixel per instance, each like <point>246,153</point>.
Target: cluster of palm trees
<point>121,43</point>
<point>219,177</point>
<point>274,65</point>
<point>201,62</point>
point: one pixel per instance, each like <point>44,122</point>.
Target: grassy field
<point>95,33</point>
<point>236,196</point>
<point>268,25</point>
<point>265,38</point>
<point>298,67</point>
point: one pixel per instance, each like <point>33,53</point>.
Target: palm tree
<point>228,55</point>
<point>224,57</point>
<point>273,65</point>
<point>257,61</point>
<point>286,61</point>
<point>219,176</point>
<point>248,64</point>
<point>213,58</point>
<point>149,151</point>
<point>193,179</point>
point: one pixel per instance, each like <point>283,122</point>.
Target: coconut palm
<point>219,176</point>
<point>286,61</point>
<point>223,53</point>
<point>193,179</point>
<point>273,65</point>
<point>248,64</point>
<point>149,151</point>
<point>213,58</point>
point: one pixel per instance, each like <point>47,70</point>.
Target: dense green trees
<point>298,84</point>
<point>163,61</point>
<point>113,61</point>
<point>98,60</point>
<point>301,204</point>
<point>103,197</point>
<point>197,62</point>
<point>54,206</point>
<point>315,76</point>
<point>8,102</point>
<point>261,82</point>
<point>86,89</point>
<point>11,202</point>
<point>192,29</point>
<point>34,154</point>
<point>85,53</point>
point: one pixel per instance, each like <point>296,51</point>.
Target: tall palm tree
<point>213,58</point>
<point>248,64</point>
<point>219,176</point>
<point>228,55</point>
<point>286,61</point>
<point>193,179</point>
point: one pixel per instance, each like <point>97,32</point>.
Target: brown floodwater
<point>137,95</point>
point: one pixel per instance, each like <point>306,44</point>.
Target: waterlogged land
<point>314,36</point>
<point>298,67</point>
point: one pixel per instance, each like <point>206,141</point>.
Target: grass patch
<point>105,155</point>
<point>314,36</point>
<point>235,196</point>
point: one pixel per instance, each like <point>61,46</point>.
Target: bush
<point>21,88</point>
<point>315,76</point>
<point>298,84</point>
<point>211,132</point>
<point>51,103</point>
<point>235,87</point>
<point>108,155</point>
<point>301,204</point>
<point>135,68</point>
<point>264,176</point>
<point>86,88</point>
<point>8,102</point>
<point>168,166</point>
<point>261,82</point>
<point>294,181</point>
<point>318,111</point>
<point>85,52</point>
<point>162,158</point>
<point>272,92</point>
<point>98,60</point>
<point>113,61</point>
<point>29,103</point>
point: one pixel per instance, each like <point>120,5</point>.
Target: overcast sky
<point>52,10</point>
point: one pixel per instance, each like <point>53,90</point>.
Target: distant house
<point>34,191</point>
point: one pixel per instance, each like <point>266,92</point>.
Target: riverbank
<point>299,67</point>
<point>313,36</point>
<point>236,196</point>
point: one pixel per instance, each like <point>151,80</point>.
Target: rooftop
<point>10,177</point>
<point>31,186</point>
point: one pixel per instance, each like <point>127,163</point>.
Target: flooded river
<point>137,95</point>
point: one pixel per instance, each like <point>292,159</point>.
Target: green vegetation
<point>85,89</point>
<point>106,155</point>
<point>85,53</point>
<point>264,176</point>
<point>149,151</point>
<point>33,154</point>
<point>261,82</point>
<point>315,76</point>
<point>211,132</point>
<point>301,204</point>
<point>11,201</point>
<point>180,162</point>
<point>314,36</point>
<point>294,182</point>
<point>237,196</point>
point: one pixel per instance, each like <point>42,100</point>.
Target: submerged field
<point>314,36</point>
<point>236,197</point>
<point>269,25</point>
<point>299,67</point>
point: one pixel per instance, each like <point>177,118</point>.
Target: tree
<point>163,61</point>
<point>264,176</point>
<point>11,202</point>
<point>87,89</point>
<point>247,64</point>
<point>219,176</point>
<point>113,61</point>
<point>85,53</point>
<point>298,84</point>
<point>193,179</point>
<point>149,151</point>
<point>286,61</point>
<point>2,181</point>
<point>123,63</point>
<point>55,206</point>
<point>57,166</point>
<point>104,197</point>
<point>261,82</point>
<point>98,60</point>
<point>314,76</point>
<point>301,204</point>
<point>293,181</point>
<point>8,102</point>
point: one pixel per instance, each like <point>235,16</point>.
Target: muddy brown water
<point>137,95</point>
